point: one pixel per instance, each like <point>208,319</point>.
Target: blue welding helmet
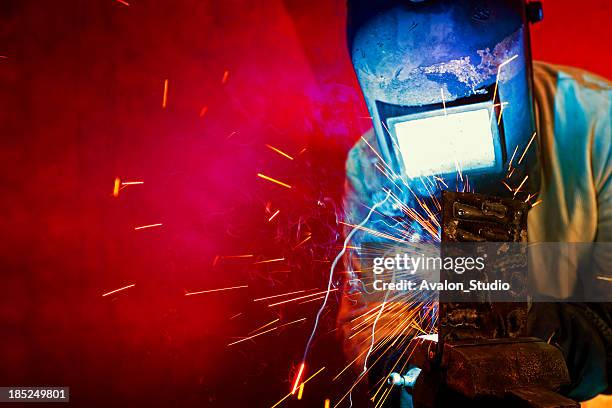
<point>448,86</point>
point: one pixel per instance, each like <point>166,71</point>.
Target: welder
<point>457,104</point>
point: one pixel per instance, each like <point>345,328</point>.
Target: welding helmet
<point>448,86</point>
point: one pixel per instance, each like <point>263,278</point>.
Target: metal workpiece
<point>482,356</point>
<point>522,372</point>
<point>485,218</point>
<point>495,367</point>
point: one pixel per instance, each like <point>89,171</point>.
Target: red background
<point>576,34</point>
<point>81,102</point>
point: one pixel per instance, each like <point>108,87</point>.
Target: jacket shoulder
<point>590,93</point>
<point>544,71</point>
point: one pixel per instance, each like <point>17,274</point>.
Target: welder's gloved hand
<point>583,333</point>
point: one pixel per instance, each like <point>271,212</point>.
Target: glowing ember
<point>215,290</point>
<point>273,215</point>
<point>303,297</point>
<point>298,377</point>
<point>527,148</point>
<point>282,294</point>
<point>521,185</point>
<point>274,149</point>
<point>165,96</point>
<point>118,290</point>
<point>273,180</point>
<point>512,158</point>
<point>302,241</point>
<point>264,326</point>
<point>147,226</point>
<point>269,260</point>
<point>266,331</point>
<point>116,188</point>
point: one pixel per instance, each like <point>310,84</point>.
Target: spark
<point>458,167</point>
<point>203,111</point>
<point>521,185</point>
<point>219,257</point>
<point>266,331</point>
<point>125,3</point>
<point>273,215</point>
<point>443,101</point>
<point>605,278</point>
<point>225,76</point>
<point>512,158</point>
<point>165,97</point>
<point>129,183</point>
<point>536,203</point>
<point>326,403</point>
<point>147,226</point>
<point>498,73</point>
<point>118,290</point>
<point>297,378</point>
<point>501,110</point>
<point>269,260</point>
<point>290,394</point>
<point>235,316</point>
<point>116,188</point>
<point>441,181</point>
<point>384,397</point>
<point>376,153</point>
<point>392,139</point>
<point>507,185</point>
<point>273,180</point>
<point>527,148</point>
<point>215,290</point>
<point>312,300</point>
<point>265,325</point>
<point>300,391</point>
<point>373,232</point>
<point>303,241</point>
<point>348,365</point>
<point>282,294</point>
<point>302,297</point>
<point>279,152</point>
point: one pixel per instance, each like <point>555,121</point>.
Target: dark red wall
<point>81,104</point>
